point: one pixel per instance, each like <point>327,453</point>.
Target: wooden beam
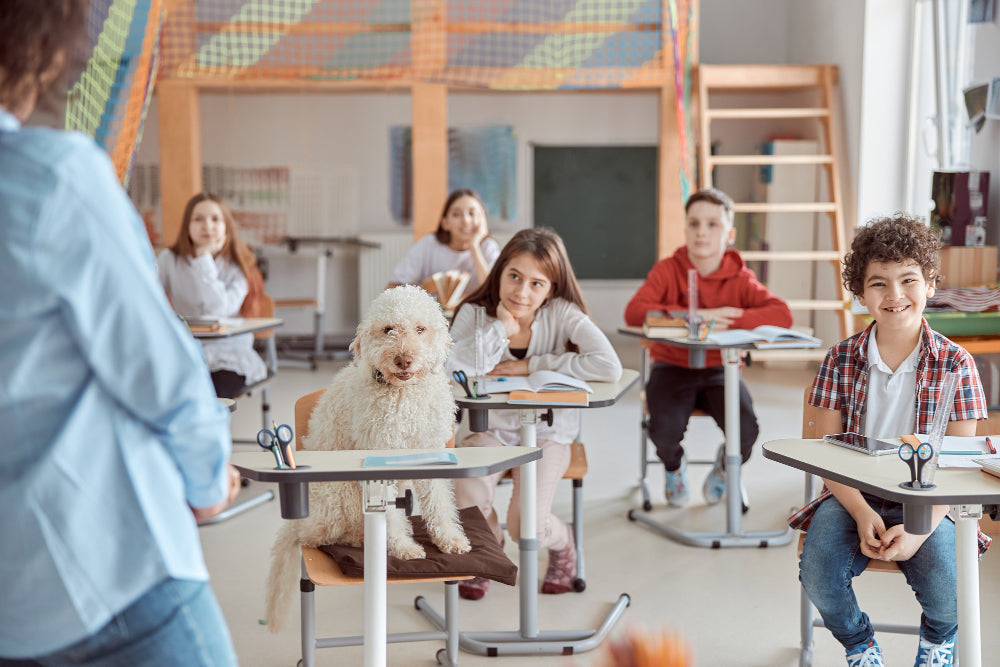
<point>180,151</point>
<point>670,204</point>
<point>429,104</point>
<point>430,155</point>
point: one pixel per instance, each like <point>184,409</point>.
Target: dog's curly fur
<point>395,394</point>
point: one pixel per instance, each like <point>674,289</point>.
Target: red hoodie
<point>732,284</point>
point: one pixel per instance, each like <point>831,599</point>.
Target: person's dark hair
<point>896,238</point>
<point>41,40</point>
<point>713,196</point>
<point>444,236</point>
<point>234,249</point>
<point>550,253</point>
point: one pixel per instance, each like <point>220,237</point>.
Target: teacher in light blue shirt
<point>111,431</point>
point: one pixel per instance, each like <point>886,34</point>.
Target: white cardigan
<point>555,323</point>
<point>206,286</point>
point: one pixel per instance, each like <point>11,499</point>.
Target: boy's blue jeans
<point>831,558</point>
<point>176,623</point>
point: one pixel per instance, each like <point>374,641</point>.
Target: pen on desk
<point>708,330</point>
<point>288,455</point>
<point>962,452</point>
<point>989,445</point>
<point>475,389</point>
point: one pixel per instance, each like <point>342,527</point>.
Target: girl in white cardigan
<point>209,272</point>
<point>536,320</point>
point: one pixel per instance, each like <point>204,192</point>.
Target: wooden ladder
<point>777,81</point>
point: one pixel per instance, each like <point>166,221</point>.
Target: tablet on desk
<point>862,443</point>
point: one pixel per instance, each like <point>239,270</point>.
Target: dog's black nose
<point>403,361</point>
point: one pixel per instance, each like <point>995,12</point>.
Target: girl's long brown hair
<point>550,253</point>
<point>234,249</point>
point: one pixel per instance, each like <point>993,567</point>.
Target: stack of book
<point>659,325</point>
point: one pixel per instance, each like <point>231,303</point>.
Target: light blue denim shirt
<point>109,427</point>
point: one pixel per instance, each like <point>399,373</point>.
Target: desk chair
<point>320,569</point>
<point>645,444</point>
<point>809,619</point>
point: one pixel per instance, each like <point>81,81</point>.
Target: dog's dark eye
<point>420,330</point>
<point>389,330</point>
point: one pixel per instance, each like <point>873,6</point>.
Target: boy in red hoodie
<point>728,294</point>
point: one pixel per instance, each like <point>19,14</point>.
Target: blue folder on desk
<point>405,460</point>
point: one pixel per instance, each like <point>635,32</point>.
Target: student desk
<point>734,535</point>
<point>378,493</point>
<point>966,490</point>
<point>324,246</point>
<point>528,640</point>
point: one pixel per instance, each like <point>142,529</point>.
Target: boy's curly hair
<point>896,238</point>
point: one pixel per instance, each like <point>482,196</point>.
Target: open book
<point>448,287</point>
<point>539,381</point>
<point>764,337</point>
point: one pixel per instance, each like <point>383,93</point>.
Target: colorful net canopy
<point>498,44</point>
<point>110,99</point>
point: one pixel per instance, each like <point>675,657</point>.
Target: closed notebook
<point>524,397</point>
<point>664,326</point>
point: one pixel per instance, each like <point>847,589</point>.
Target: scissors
<point>923,453</point>
<point>463,379</point>
<point>278,441</point>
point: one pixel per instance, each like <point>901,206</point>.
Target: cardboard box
<point>968,266</point>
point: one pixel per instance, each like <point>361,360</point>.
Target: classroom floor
<point>733,607</point>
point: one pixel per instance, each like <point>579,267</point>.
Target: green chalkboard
<point>602,202</point>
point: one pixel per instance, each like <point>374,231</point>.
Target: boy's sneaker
<point>715,484</point>
<point>714,488</point>
<point>934,655</point>
<point>678,492</point>
<point>867,654</point>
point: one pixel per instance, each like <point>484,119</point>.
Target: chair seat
<point>577,468</point>
<point>324,571</point>
<point>874,565</point>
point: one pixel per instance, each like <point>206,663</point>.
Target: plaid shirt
<point>842,384</point>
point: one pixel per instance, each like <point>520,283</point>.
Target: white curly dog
<point>395,394</point>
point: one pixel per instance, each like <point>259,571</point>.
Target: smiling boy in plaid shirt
<point>884,382</point>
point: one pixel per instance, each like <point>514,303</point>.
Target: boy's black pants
<point>673,393</point>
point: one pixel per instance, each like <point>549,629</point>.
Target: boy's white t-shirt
<point>890,394</point>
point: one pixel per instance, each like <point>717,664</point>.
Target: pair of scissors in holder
<point>279,442</point>
<point>463,379</point>
<point>916,458</point>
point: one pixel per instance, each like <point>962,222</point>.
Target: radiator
<point>375,265</point>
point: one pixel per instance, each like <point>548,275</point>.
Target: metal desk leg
<point>734,536</point>
<point>529,640</point>
<point>376,501</point>
<point>967,564</point>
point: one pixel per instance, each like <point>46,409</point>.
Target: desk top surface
<point>355,241</point>
<point>683,341</point>
<point>327,466</point>
<point>881,475</point>
<point>605,394</point>
<point>240,325</point>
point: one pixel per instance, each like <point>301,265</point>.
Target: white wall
<point>353,129</point>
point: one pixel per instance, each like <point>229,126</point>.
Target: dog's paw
<point>407,551</point>
<point>457,544</point>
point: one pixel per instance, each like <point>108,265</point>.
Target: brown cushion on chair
<point>486,559</point>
